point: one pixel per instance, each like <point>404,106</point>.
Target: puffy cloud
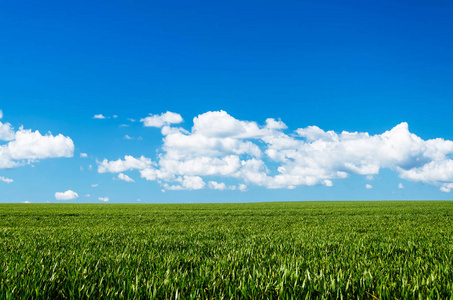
<point>100,117</point>
<point>124,177</point>
<point>68,195</point>
<point>368,186</point>
<point>400,186</point>
<point>242,187</point>
<point>187,183</point>
<point>129,163</point>
<point>219,145</point>
<point>33,146</point>
<point>103,199</point>
<point>446,187</point>
<point>217,186</point>
<point>26,146</point>
<point>162,119</point>
<point>6,132</point>
<point>7,180</point>
<point>221,125</point>
<point>83,155</point>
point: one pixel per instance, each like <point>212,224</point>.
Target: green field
<point>365,250</point>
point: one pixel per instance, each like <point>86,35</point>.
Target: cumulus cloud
<point>217,186</point>
<point>103,199</point>
<point>6,132</point>
<point>26,146</point>
<point>68,195</point>
<point>162,119</point>
<point>124,177</point>
<point>100,117</point>
<point>7,180</point>
<point>32,145</point>
<point>221,146</point>
<point>129,163</point>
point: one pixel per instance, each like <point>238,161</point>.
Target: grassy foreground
<point>383,250</point>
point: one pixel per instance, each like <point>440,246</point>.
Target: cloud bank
<point>220,147</point>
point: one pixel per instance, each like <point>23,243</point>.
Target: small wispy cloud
<point>400,186</point>
<point>7,180</point>
<point>104,199</point>
<point>83,155</point>
<point>368,186</point>
<point>100,117</point>
<point>124,177</point>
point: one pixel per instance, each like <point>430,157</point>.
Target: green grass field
<point>362,250</point>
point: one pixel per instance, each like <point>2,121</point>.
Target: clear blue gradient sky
<point>338,65</point>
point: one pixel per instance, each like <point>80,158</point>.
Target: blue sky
<point>378,67</point>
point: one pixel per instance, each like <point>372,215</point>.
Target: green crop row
<point>297,250</point>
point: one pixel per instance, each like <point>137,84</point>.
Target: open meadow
<point>356,250</point>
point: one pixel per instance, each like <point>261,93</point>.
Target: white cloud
<point>218,145</point>
<point>26,146</point>
<point>104,199</point>
<point>221,125</point>
<point>242,187</point>
<point>95,185</point>
<point>126,137</point>
<point>328,183</point>
<point>83,155</point>
<point>68,195</point>
<point>129,163</point>
<point>100,116</point>
<point>400,186</point>
<point>32,145</point>
<point>115,116</point>
<point>162,119</point>
<point>7,180</point>
<point>6,132</point>
<point>368,186</point>
<point>217,186</point>
<point>1,114</point>
<point>125,178</point>
<point>187,183</point>
<point>87,196</point>
<point>446,187</point>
